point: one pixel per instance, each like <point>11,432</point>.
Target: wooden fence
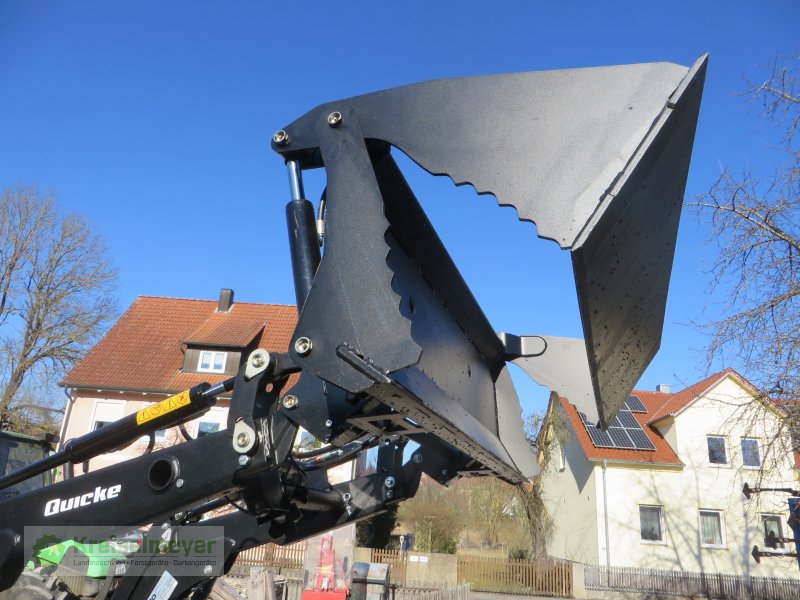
<point>539,577</point>
<point>289,557</point>
<point>398,560</point>
<point>679,583</point>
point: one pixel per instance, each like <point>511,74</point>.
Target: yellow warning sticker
<point>162,408</point>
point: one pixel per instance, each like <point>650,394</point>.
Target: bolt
<point>258,361</point>
<point>178,516</point>
<point>417,458</point>
<point>335,119</point>
<point>444,472</point>
<point>179,483</point>
<point>389,494</point>
<point>207,570</point>
<point>303,346</point>
<point>281,137</point>
<point>328,423</point>
<point>244,460</point>
<point>347,497</point>
<point>290,401</point>
<point>242,440</point>
<point>389,482</point>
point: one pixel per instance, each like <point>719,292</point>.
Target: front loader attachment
<point>596,158</point>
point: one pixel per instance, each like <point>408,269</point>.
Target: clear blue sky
<point>153,120</point>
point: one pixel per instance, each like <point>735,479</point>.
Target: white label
<point>423,559</point>
<point>163,590</point>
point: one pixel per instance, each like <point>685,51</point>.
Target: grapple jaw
<point>596,158</point>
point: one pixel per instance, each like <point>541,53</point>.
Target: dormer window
<point>211,362</point>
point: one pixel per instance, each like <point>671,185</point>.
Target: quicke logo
<point>100,494</point>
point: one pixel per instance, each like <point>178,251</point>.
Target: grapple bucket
<point>597,158</point>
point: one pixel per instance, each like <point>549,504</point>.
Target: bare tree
<point>755,220</point>
<point>435,515</point>
<point>55,296</point>
<point>549,432</point>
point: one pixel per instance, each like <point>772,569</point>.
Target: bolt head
<point>179,483</point>
<point>242,440</point>
<point>335,119</point>
<point>389,482</point>
<point>258,361</point>
<point>207,570</point>
<point>390,493</point>
<point>303,346</point>
<point>281,138</point>
<point>328,423</point>
<point>290,401</point>
<point>417,458</point>
<point>244,460</point>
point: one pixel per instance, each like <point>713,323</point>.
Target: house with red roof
<point>159,347</point>
<point>661,487</point>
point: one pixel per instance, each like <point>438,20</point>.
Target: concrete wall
<point>570,497</point>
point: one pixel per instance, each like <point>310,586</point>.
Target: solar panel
<point>626,419</point>
<point>600,438</point>
<point>633,404</point>
<point>620,437</point>
<point>624,432</point>
<point>641,440</point>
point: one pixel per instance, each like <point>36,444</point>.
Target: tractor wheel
<point>35,584</point>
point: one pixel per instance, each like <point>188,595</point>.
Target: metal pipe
<point>295,180</point>
<point>166,413</point>
<point>605,516</point>
<point>303,239</point>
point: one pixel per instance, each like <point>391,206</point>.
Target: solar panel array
<point>624,430</point>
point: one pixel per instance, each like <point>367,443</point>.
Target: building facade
<point>662,487</point>
<point>159,347</point>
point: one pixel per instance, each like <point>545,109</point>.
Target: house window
<point>651,523</point>
<point>773,527</point>
<point>716,450</point>
<point>105,412</point>
<point>206,427</point>
<point>750,454</point>
<point>211,362</point>
<point>562,457</point>
<point>712,529</point>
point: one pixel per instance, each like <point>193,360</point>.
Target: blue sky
<point>153,120</point>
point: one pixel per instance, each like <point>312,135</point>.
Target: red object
<point>325,575</point>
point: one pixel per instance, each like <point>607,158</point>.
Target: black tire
<point>34,584</point>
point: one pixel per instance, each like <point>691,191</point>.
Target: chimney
<point>225,300</point>
<point>663,388</point>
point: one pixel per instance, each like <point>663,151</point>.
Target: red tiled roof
<point>663,454</point>
<point>143,350</point>
<point>659,406</point>
<point>220,330</point>
<point>681,399</point>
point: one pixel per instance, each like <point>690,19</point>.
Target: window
<point>712,529</point>
<point>750,454</point>
<point>651,523</point>
<point>716,450</point>
<point>562,457</point>
<point>206,427</point>
<point>211,362</point>
<point>105,412</point>
<point>773,527</point>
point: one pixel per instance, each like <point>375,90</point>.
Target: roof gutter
<point>620,462</point>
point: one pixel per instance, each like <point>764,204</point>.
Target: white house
<point>662,488</point>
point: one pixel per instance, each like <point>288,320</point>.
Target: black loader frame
<point>391,346</point>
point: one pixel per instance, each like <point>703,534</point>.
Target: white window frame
<point>725,447</point>
<point>663,540</point>
<point>211,368</point>
<point>782,528</point>
<point>722,529</point>
<point>107,406</point>
<point>758,450</point>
